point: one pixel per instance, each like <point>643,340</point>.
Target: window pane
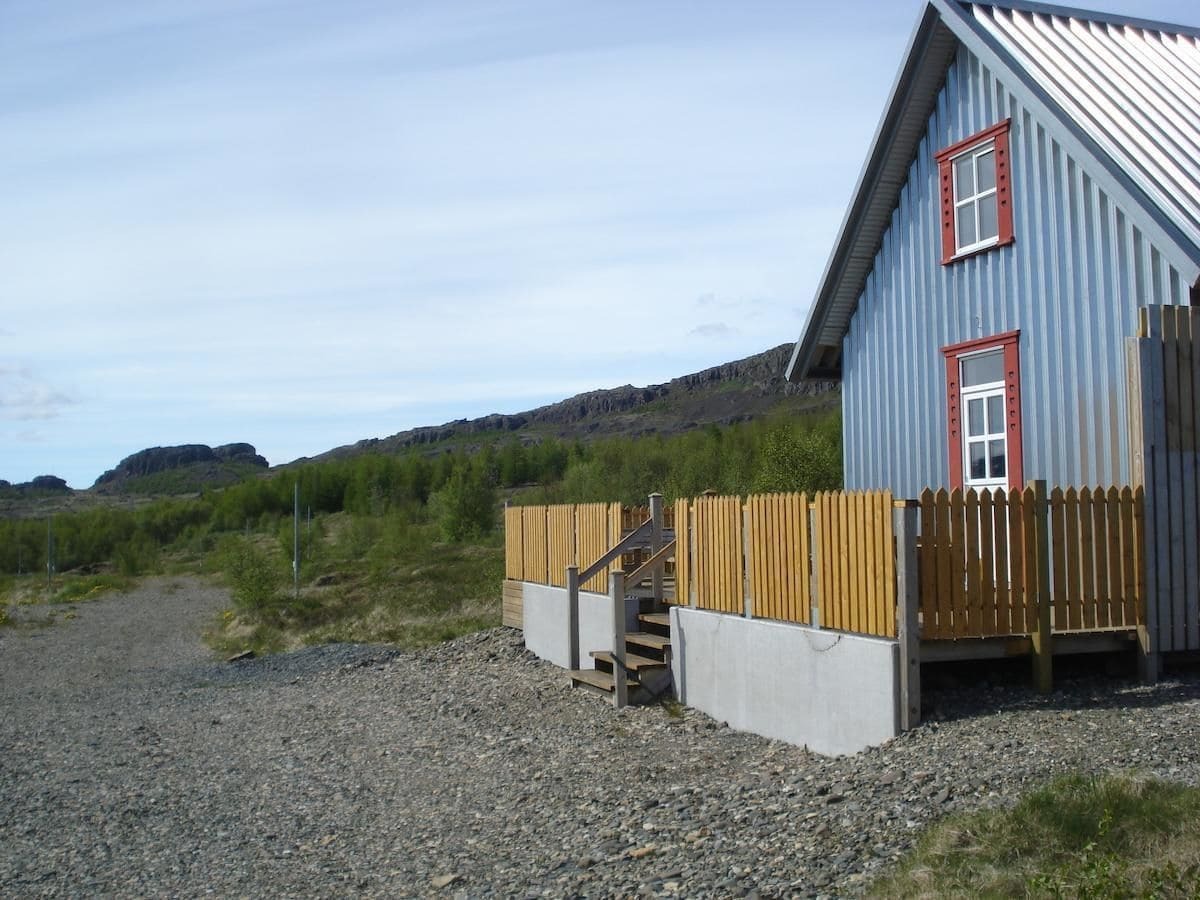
<point>976,427</point>
<point>983,369</point>
<point>964,177</point>
<point>996,453</point>
<point>989,226</point>
<point>978,461</point>
<point>966,225</point>
<point>995,422</point>
<point>985,168</point>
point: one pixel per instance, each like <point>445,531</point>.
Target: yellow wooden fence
<point>856,566</point>
<point>978,567</point>
<point>767,551</point>
<point>778,554</point>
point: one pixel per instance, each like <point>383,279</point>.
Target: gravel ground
<point>131,764</point>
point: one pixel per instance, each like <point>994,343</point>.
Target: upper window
<point>976,203</point>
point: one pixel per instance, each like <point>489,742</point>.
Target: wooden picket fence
<point>762,556</point>
<point>541,541</point>
<point>978,566</point>
<point>830,560</point>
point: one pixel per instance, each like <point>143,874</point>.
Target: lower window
<point>983,389</point>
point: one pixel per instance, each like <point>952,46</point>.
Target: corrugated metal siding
<point>1135,90</point>
<point>1071,282</point>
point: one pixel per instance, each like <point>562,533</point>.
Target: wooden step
<point>633,662</point>
<point>602,681</point>
<point>663,620</point>
<point>658,642</point>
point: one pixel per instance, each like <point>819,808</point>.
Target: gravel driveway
<point>131,764</point>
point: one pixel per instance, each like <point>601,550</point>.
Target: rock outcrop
<point>161,459</point>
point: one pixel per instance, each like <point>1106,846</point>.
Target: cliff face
<point>731,392</point>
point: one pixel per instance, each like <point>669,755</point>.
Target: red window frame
<point>998,134</point>
<point>1009,342</point>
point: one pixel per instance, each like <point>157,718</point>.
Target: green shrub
<point>136,556</point>
<point>466,505</point>
<point>255,578</point>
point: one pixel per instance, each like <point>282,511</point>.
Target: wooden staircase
<point>647,662</point>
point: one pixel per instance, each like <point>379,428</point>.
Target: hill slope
<point>737,391</point>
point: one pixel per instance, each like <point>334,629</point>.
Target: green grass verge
<point>31,590</point>
<point>1117,836</point>
<point>366,579</point>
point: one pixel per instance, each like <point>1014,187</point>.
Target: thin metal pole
<point>296,540</point>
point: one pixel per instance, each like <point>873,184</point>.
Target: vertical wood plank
<point>1099,543</point>
<point>803,561</point>
<point>927,570</point>
<point>1074,577</point>
<point>892,547</point>
<point>1186,336</point>
<point>1004,614</point>
<point>1058,560</point>
<point>1116,593</point>
<point>1087,569</point>
<point>973,619</point>
<point>1016,563</point>
<point>945,565</point>
<point>958,600</point>
<point>1039,551</point>
<point>1171,386</point>
<point>987,567</point>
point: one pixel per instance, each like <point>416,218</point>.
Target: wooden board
<point>513,604</point>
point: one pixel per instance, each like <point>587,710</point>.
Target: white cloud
<point>713,330</point>
<point>24,397</point>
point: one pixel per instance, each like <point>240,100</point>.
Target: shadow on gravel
<point>964,690</point>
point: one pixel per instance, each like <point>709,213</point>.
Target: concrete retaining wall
<point>544,622</point>
<point>830,691</point>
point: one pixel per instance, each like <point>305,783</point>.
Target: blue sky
<point>300,224</point>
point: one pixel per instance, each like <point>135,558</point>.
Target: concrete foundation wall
<point>544,622</point>
<point>832,692</point>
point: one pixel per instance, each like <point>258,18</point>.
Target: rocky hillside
<point>733,392</point>
<point>181,469</point>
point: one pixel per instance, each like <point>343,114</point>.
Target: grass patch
<point>79,589</point>
<point>1116,836</point>
<point>27,590</point>
<point>367,579</point>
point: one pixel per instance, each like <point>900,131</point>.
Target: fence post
<point>908,600</point>
<point>616,589</point>
<point>656,543</point>
<point>1043,650</point>
<point>573,614</point>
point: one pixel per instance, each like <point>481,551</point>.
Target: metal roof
<point>1126,91</point>
<point>1135,88</point>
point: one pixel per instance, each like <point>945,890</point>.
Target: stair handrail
<point>619,548</point>
<point>638,575</point>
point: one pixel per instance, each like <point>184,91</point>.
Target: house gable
<point>1042,82</point>
<point>1080,264</point>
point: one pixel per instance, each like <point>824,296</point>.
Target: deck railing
<point>831,559</point>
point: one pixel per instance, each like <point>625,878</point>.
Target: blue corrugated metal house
<point>1034,180</point>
